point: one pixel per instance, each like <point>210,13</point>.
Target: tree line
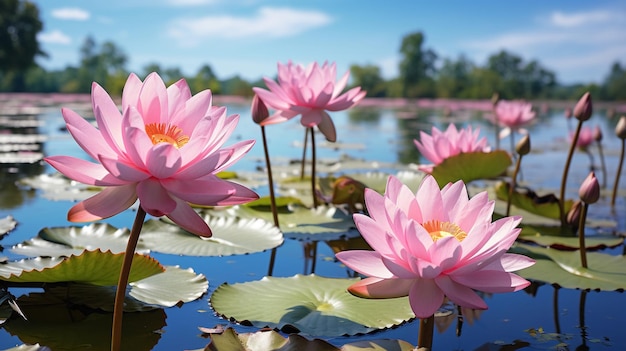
<point>422,72</point>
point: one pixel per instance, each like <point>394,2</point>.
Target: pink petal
<point>365,262</point>
<point>125,172</point>
<point>210,191</point>
<point>154,199</point>
<point>373,232</point>
<point>130,95</point>
<point>194,109</point>
<point>86,135</point>
<point>425,298</point>
<point>177,95</point>
<point>153,100</point>
<point>107,203</point>
<point>327,127</point>
<point>378,288</point>
<point>108,117</point>
<point>188,219</point>
<point>311,117</point>
<point>492,281</point>
<point>460,294</point>
<point>83,171</point>
<point>429,200</point>
<point>163,160</point>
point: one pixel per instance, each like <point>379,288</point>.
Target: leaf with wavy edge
<point>471,166</point>
<point>312,304</point>
<point>546,205</point>
<point>91,267</point>
<point>7,224</point>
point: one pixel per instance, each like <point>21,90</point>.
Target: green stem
<point>513,184</point>
<point>555,303</point>
<point>581,235</point>
<point>306,139</point>
<point>120,293</point>
<point>565,171</point>
<point>270,179</point>
<point>602,164</point>
<point>425,337</point>
<point>313,187</point>
<point>581,314</point>
<point>619,172</point>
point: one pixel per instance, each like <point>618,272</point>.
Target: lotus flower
<point>434,244</point>
<point>309,92</point>
<point>163,149</point>
<point>585,138</point>
<point>441,145</point>
<point>513,115</point>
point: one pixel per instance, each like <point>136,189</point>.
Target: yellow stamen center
<point>164,133</point>
<point>438,230</point>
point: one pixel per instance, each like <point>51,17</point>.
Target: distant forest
<point>422,72</point>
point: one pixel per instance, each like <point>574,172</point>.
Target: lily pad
<point>57,187</point>
<point>321,223</point>
<point>311,304</point>
<point>605,272</point>
<point>67,241</point>
<point>92,267</point>
<point>544,205</point>
<point>231,236</point>
<point>378,180</point>
<point>572,243</point>
<point>471,166</point>
<point>7,224</point>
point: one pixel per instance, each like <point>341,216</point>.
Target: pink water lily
<point>432,245</point>
<point>585,138</point>
<point>310,92</point>
<point>513,115</point>
<point>439,145</point>
<point>164,149</point>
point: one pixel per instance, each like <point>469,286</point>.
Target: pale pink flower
<point>441,145</point>
<point>585,137</point>
<point>513,115</point>
<point>434,244</point>
<point>308,91</point>
<point>163,149</point>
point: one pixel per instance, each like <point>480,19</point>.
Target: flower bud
<point>523,146</point>
<point>568,113</point>
<point>573,216</point>
<point>597,134</point>
<point>259,110</point>
<point>590,189</point>
<point>620,129</point>
<point>583,108</point>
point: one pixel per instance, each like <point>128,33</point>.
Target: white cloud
<point>71,13</point>
<point>561,19</point>
<point>54,37</point>
<point>191,2</point>
<point>267,22</point>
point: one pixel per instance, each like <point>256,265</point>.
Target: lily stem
<point>425,337</point>
<point>313,187</point>
<point>270,179</point>
<point>513,184</point>
<point>120,293</point>
<point>619,172</point>
<point>602,164</point>
<point>581,235</point>
<point>306,141</point>
<point>564,178</point>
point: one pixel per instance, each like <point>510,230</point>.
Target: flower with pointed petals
<point>310,92</point>
<point>589,191</point>
<point>164,148</point>
<point>439,145</point>
<point>513,115</point>
<point>434,244</point>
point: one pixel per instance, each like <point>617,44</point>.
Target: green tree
<point>417,67</point>
<point>103,64</point>
<point>453,78</point>
<point>369,79</point>
<point>205,79</point>
<point>615,83</point>
<point>19,26</point>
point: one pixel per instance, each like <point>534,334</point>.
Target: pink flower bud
<point>573,215</point>
<point>597,134</point>
<point>523,146</point>
<point>568,113</point>
<point>590,189</point>
<point>583,108</point>
<point>620,128</point>
<point>259,110</point>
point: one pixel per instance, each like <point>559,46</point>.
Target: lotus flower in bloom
<point>309,92</point>
<point>163,149</point>
<point>434,244</point>
<point>513,115</point>
<point>441,145</point>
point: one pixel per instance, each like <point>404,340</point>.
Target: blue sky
<point>578,40</point>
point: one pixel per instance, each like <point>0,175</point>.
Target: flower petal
<point>365,262</point>
<point>377,288</point>
<point>154,199</point>
<point>188,219</point>
<point>83,171</point>
<point>104,204</point>
<point>460,294</point>
<point>425,298</point>
<point>163,160</point>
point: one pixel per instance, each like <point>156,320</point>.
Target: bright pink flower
<point>434,244</point>
<point>585,137</point>
<point>309,92</point>
<point>513,115</point>
<point>164,149</point>
<point>441,145</point>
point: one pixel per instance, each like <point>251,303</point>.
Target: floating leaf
<point>321,223</point>
<point>92,267</point>
<point>604,272</point>
<point>282,203</point>
<point>231,236</point>
<point>7,224</point>
<point>57,187</point>
<point>312,304</point>
<point>545,205</point>
<point>67,241</point>
<point>572,243</point>
<point>471,166</point>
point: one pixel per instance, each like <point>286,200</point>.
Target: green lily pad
<point>546,205</point>
<point>92,267</point>
<point>7,224</point>
<point>471,166</point>
<point>231,236</point>
<point>605,272</point>
<point>311,304</point>
<point>572,243</point>
<point>57,187</point>
<point>35,347</point>
<point>67,241</point>
<point>378,180</point>
<point>282,203</point>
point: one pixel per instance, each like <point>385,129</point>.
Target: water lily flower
<point>434,244</point>
<point>583,108</point>
<point>310,92</point>
<point>439,145</point>
<point>513,115</point>
<point>164,148</point>
<point>589,191</point>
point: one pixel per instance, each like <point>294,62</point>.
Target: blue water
<point>383,135</point>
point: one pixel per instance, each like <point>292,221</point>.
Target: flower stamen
<point>164,133</point>
<point>438,229</point>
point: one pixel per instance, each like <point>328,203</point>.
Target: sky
<point>578,40</point>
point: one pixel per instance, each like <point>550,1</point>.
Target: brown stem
<point>602,164</point>
<point>581,235</point>
<point>565,171</point>
<point>313,187</point>
<point>120,293</point>
<point>270,179</point>
<point>619,172</point>
<point>306,139</point>
<point>513,184</point>
<point>425,337</point>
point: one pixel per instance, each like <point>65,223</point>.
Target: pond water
<point>540,318</point>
